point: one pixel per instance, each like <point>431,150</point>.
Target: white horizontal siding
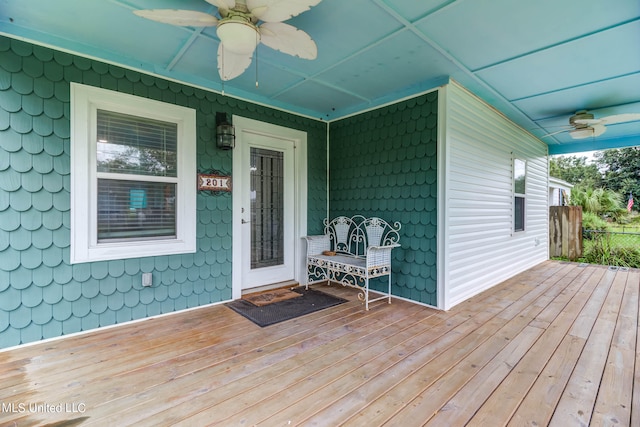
<point>479,248</point>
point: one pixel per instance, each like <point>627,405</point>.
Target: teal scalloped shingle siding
<point>41,294</point>
<point>384,163</point>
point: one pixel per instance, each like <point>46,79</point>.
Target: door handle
<point>244,222</point>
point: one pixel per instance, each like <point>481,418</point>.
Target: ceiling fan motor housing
<point>580,115</point>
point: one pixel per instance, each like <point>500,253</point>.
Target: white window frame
<point>523,196</point>
<point>85,101</point>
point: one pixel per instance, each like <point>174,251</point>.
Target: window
<point>132,176</point>
<point>519,186</point>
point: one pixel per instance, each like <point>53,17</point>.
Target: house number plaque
<point>209,182</point>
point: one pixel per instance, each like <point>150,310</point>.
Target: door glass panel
<point>267,208</point>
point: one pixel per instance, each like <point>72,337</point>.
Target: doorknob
<point>244,222</point>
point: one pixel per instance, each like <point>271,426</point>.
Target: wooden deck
<point>556,345</point>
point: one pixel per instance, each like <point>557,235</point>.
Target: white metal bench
<point>352,251</point>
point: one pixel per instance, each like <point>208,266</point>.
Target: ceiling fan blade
<point>223,4</point>
<point>288,39</point>
<point>620,118</point>
<point>231,64</point>
<point>588,132</point>
<point>555,133</point>
<point>182,18</point>
<point>588,122</point>
<point>279,10</point>
<point>599,129</point>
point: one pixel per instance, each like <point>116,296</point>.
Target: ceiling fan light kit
<point>238,34</point>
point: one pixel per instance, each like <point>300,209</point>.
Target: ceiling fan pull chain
<point>256,60</point>
<point>222,65</point>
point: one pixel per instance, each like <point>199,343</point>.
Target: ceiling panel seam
<point>314,77</point>
<point>555,45</point>
<point>448,56</point>
<point>178,56</point>
<point>549,92</point>
<point>193,33</point>
<point>322,83</point>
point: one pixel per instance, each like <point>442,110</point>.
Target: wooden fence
<point>565,232</point>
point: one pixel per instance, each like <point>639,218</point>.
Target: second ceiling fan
<point>584,124</point>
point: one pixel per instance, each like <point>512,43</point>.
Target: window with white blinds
<point>138,207</point>
<point>135,210</point>
<point>519,190</point>
<point>136,145</point>
<point>133,171</point>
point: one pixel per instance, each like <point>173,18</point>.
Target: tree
<point>575,170</point>
<point>621,169</point>
<point>138,160</point>
<point>599,201</point>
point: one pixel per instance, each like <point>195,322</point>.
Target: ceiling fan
<point>584,124</point>
<point>242,25</point>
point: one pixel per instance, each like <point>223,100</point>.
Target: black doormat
<point>310,302</point>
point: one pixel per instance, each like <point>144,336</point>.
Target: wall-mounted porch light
<point>225,132</point>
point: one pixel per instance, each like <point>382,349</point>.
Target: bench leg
<point>366,293</point>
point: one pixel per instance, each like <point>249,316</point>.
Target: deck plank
<point>428,353</point>
<point>487,398</point>
<point>222,364</point>
<point>540,402</point>
<point>578,400</point>
<point>506,398</point>
<point>256,379</point>
<point>456,368</point>
<point>555,345</point>
<point>635,399</point>
<point>613,404</point>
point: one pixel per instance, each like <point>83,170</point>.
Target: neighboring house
<point>468,186</point>
<point>559,192</point>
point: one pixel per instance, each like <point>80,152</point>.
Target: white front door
<point>269,204</point>
<point>267,213</point>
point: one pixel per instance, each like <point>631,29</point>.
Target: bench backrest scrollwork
<point>353,235</point>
